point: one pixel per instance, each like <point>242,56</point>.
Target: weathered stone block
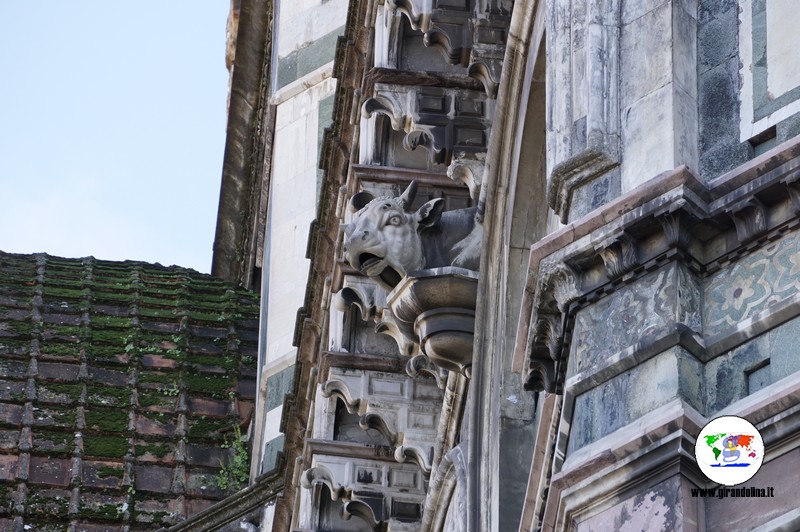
<point>717,34</point>
<point>616,403</point>
<point>595,194</point>
<point>726,375</point>
<point>646,54</point>
<point>718,97</point>
<point>666,506</point>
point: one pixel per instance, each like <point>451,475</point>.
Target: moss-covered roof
<point>120,383</point>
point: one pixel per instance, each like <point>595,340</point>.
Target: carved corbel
<point>420,363</point>
<point>384,105</point>
<point>414,12</point>
<point>340,389</point>
<point>542,374</point>
<point>793,189</point>
<point>321,475</point>
<point>469,172</point>
<point>449,40</point>
<point>548,334</point>
<point>363,298</point>
<point>619,255</point>
<point>564,283</point>
<point>488,73</point>
<point>676,226</point>
<point>371,420</point>
<point>415,455</point>
<point>390,326</point>
<point>749,217</point>
<point>357,507</point>
<point>426,138</point>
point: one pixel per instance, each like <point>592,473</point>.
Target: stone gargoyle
<point>387,241</point>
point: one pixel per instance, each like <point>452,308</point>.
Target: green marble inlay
<point>278,386</point>
<point>309,58</point>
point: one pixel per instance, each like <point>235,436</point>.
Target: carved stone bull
<point>387,241</point>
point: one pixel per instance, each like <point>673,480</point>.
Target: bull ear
<point>430,212</point>
<point>407,198</point>
<point>358,201</point>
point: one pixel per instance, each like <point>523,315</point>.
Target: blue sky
<point>112,128</point>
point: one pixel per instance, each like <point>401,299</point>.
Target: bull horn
<point>358,201</point>
<point>407,198</point>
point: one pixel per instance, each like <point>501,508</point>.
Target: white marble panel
<point>783,43</point>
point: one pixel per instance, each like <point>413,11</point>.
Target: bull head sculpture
<point>383,240</point>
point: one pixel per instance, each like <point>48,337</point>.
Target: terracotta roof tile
<point>119,383</point>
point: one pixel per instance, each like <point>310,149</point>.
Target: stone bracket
<point>440,120</point>
<point>749,217</point>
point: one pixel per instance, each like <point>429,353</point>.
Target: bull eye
<point>394,220</point>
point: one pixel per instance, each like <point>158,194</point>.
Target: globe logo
<point>729,450</point>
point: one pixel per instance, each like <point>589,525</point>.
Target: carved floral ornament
<point>703,227</point>
<point>427,260</point>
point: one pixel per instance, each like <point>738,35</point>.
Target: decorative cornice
<point>643,230</point>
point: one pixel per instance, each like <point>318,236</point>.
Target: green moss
<point>66,293</point>
<point>157,313</point>
<point>109,336</point>
<point>152,376</point>
<point>74,282</point>
<point>104,512</point>
<point>205,428</point>
<point>63,418</point>
<point>109,396</point>
<point>208,384</point>
<point>39,502</point>
<point>72,349</point>
<point>109,472</point>
<point>107,420</point>
<point>105,446</point>
<point>158,301</point>
<point>206,317</point>
<point>114,297</point>
<point>56,438</point>
<point>72,333</point>
<point>159,450</point>
<point>163,397</point>
<point>223,361</point>
<point>100,320</point>
<point>160,291</point>
<point>20,328</point>
<point>73,391</point>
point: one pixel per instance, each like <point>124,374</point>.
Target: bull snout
<point>363,250</point>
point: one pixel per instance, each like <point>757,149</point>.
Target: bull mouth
<point>367,261</point>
